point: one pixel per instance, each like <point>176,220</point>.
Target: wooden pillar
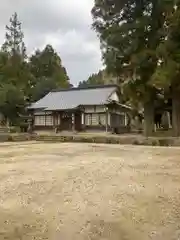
<point>45,118</point>
<point>126,119</point>
<point>82,121</point>
<point>73,122</point>
<point>60,121</point>
<point>55,122</point>
<point>82,118</point>
<point>84,127</point>
<point>106,120</point>
<point>169,119</point>
<point>53,114</point>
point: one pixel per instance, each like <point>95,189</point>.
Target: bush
<point>10,139</point>
<point>109,140</point>
<point>166,142</point>
<point>15,129</point>
<point>136,142</point>
<point>155,143</point>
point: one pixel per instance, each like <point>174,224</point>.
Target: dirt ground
<point>85,191</point>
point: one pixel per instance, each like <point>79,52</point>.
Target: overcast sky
<point>66,24</point>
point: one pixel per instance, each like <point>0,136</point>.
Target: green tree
<point>43,86</point>
<point>14,71</point>
<point>11,102</point>
<point>100,78</point>
<point>130,33</point>
<point>25,80</point>
<point>94,79</point>
<point>14,44</point>
<point>168,70</point>
<point>14,51</point>
<point>12,93</point>
<point>48,72</point>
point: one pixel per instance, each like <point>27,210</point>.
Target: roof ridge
<point>85,88</point>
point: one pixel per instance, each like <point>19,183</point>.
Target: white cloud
<point>66,24</point>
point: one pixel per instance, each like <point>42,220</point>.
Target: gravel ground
<point>85,191</point>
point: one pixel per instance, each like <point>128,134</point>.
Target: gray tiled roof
<point>72,98</point>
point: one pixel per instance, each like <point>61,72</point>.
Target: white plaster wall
<point>82,119</point>
<point>89,109</point>
<point>92,109</point>
<point>42,113</point>
<point>114,97</point>
<point>100,108</point>
<point>109,119</point>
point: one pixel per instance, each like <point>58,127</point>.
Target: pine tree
<point>14,44</point>
<point>14,71</point>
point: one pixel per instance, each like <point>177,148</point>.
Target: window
<point>88,119</point>
<point>49,120</point>
<point>95,119</point>
<point>39,121</point>
<point>102,119</point>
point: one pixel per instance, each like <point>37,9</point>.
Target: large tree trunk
<point>176,112</point>
<point>148,118</point>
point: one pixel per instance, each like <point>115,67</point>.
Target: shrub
<point>136,142</point>
<point>164,142</point>
<point>155,143</point>
<point>10,139</point>
<point>15,129</point>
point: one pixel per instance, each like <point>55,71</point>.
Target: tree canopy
<point>25,79</point>
<point>14,44</point>
<point>94,79</point>
<point>130,33</point>
<point>100,78</point>
<point>167,73</point>
<point>48,72</point>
